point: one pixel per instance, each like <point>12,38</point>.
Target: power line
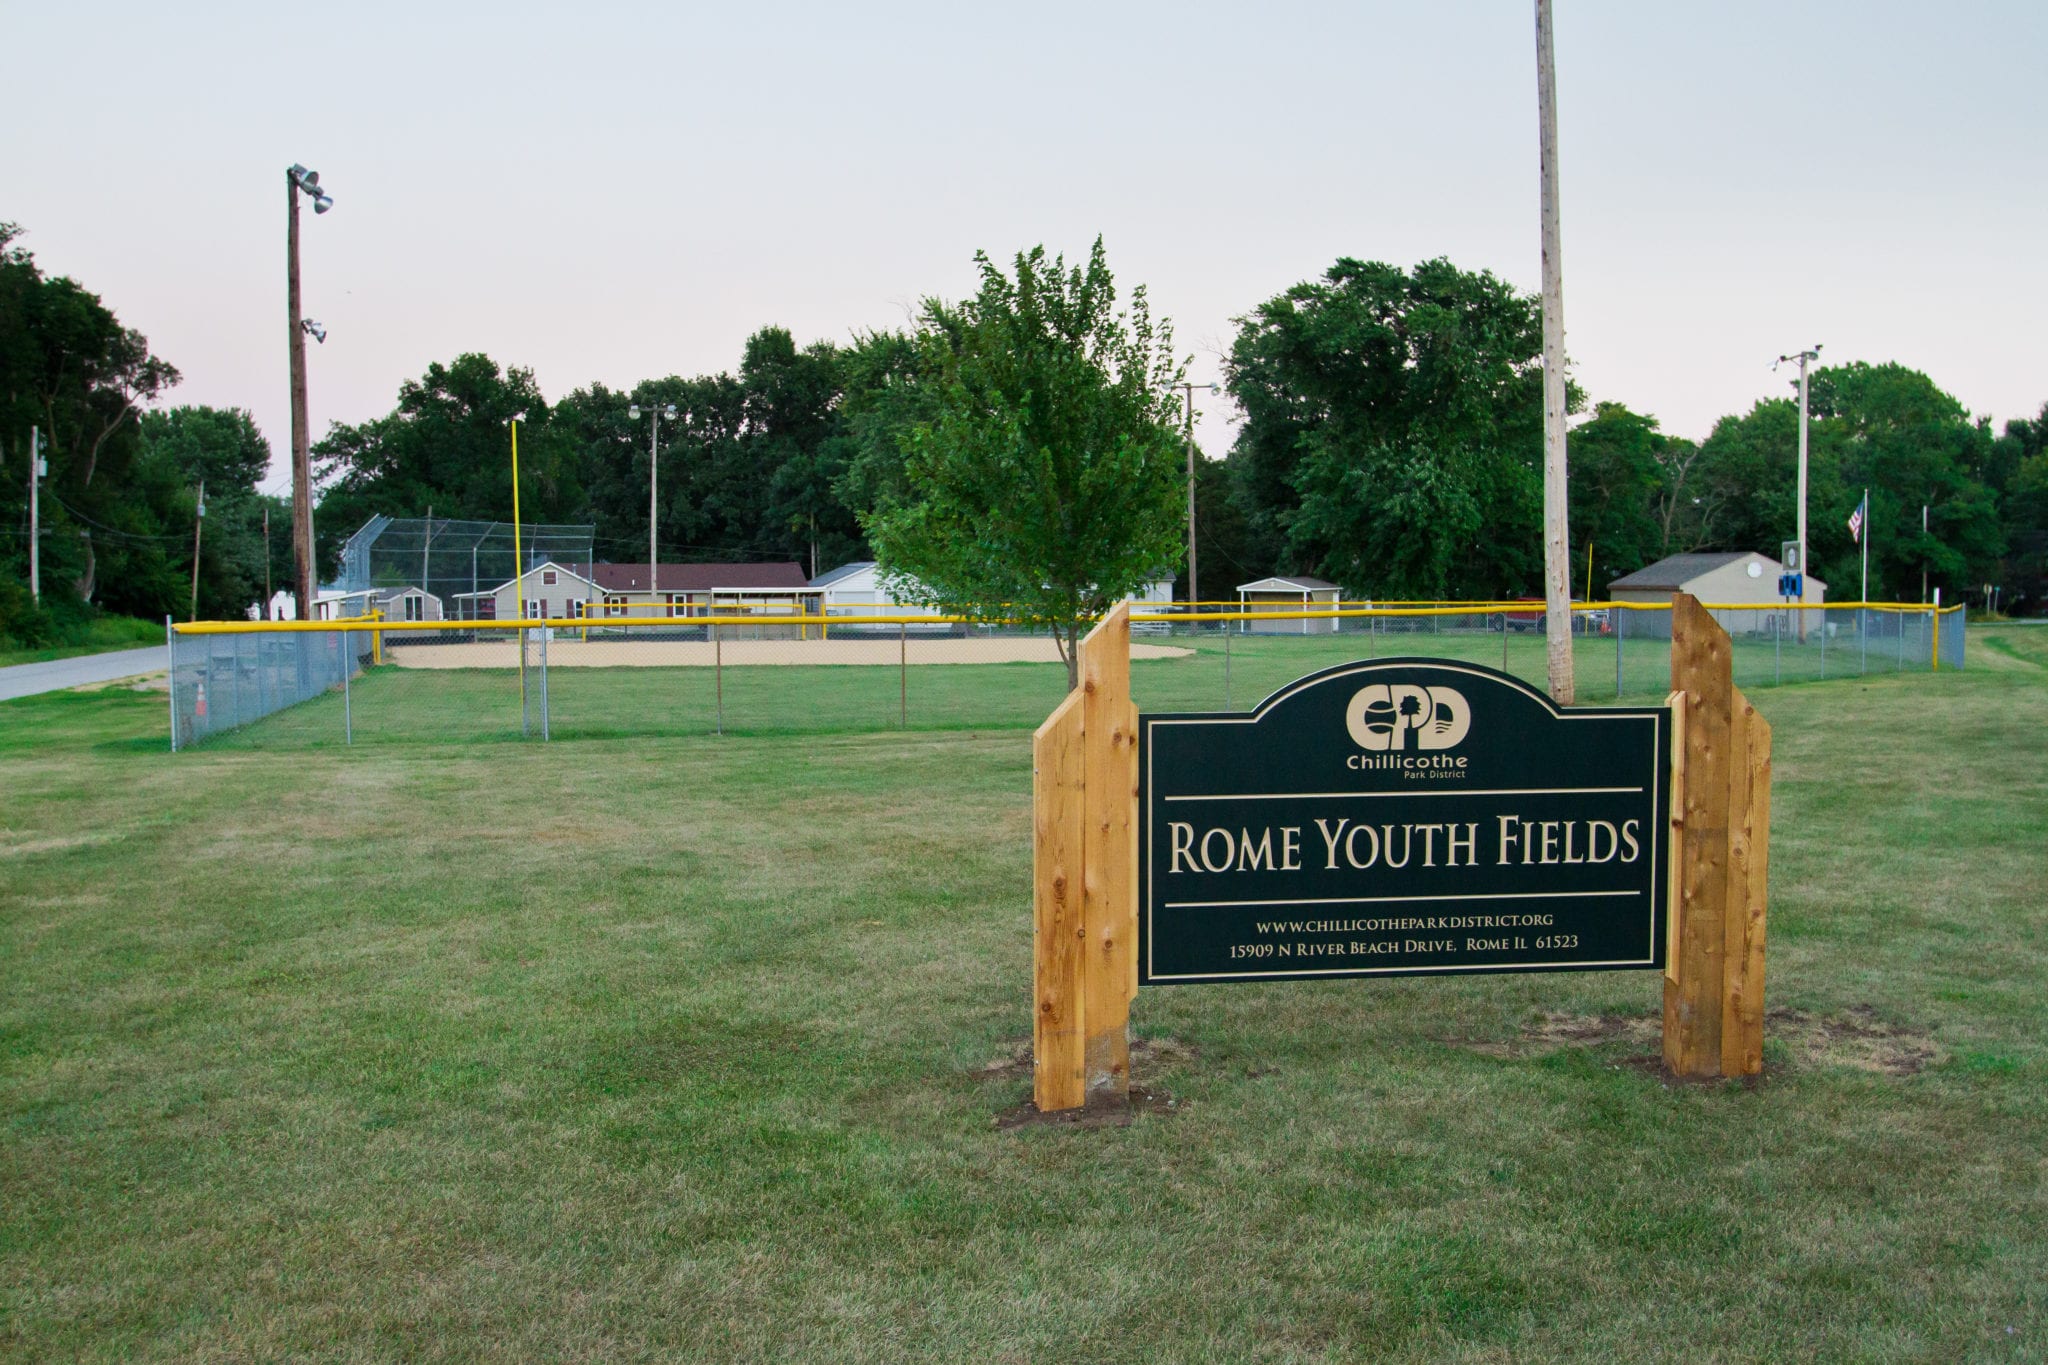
<point>110,530</point>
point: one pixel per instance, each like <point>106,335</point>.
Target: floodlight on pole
<point>298,181</point>
<point>315,330</point>
<point>667,410</point>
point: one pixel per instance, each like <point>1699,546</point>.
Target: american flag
<point>1856,523</point>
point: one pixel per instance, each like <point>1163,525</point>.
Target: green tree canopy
<point>221,447</point>
<point>1882,427</point>
<point>69,368</point>
<point>447,446</point>
<point>1392,435</point>
<point>1627,494</point>
<point>1045,484</point>
<point>2019,477</point>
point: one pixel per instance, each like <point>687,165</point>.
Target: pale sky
<point>618,192</point>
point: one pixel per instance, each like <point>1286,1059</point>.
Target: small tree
<point>1042,482</point>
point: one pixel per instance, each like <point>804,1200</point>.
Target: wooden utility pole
<point>35,516</point>
<point>198,524</point>
<point>1557,592</point>
<point>302,465</point>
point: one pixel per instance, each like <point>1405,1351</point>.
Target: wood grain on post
<point>1109,847</point>
<point>1059,1080</point>
<point>1701,668</point>
<point>1672,863</point>
<point>1749,827</point>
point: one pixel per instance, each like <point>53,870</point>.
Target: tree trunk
<point>86,583</point>
<point>1068,640</point>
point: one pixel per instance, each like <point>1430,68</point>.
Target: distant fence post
<point>348,668</point>
<point>1228,631</point>
<point>1720,857</point>
<point>171,677</point>
<point>1617,615</point>
<point>1084,880</point>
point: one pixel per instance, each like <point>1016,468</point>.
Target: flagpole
<point>1866,544</point>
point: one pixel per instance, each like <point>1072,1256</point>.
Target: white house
<point>547,590</point>
<point>765,588</point>
<point>1292,593</point>
<point>1734,576</point>
<point>864,586</point>
<point>332,604</point>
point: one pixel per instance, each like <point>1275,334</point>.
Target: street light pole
<point>653,491</point>
<point>298,180</point>
<point>1804,358</point>
<point>1188,391</point>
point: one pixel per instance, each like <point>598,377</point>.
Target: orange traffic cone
<point>199,708</point>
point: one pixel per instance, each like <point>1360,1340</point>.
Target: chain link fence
<point>290,684</point>
<point>444,569</point>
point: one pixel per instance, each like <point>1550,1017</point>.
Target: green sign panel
<point>1399,817</point>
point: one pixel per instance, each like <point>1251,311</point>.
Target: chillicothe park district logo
<point>1397,717</point>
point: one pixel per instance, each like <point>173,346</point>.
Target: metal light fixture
<point>668,410</point>
<point>298,181</point>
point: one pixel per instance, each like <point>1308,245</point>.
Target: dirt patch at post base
<point>1856,1040</point>
<point>1148,1057</point>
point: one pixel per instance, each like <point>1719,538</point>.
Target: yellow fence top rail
<point>1177,615</point>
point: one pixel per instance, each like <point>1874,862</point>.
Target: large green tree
<point>1392,434</point>
<point>222,448</point>
<point>2018,475</point>
<point>1046,484</point>
<point>447,447</point>
<point>749,464</point>
<point>69,368</point>
<point>1883,427</point>
<point>1628,494</point>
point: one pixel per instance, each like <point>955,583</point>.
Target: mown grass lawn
<point>681,1048</point>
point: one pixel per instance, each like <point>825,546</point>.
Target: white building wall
<point>531,587</point>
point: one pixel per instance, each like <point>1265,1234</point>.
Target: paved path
<point>25,680</point>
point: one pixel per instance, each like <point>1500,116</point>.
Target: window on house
<point>575,609</point>
<point>415,607</point>
<point>547,578</point>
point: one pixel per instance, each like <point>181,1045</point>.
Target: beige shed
<point>1741,577</point>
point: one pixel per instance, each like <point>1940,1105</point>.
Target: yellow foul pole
<point>518,575</point>
<point>518,564</point>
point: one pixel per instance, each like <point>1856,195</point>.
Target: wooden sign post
<point>1084,811</point>
<point>1720,861</point>
<point>1536,826</point>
